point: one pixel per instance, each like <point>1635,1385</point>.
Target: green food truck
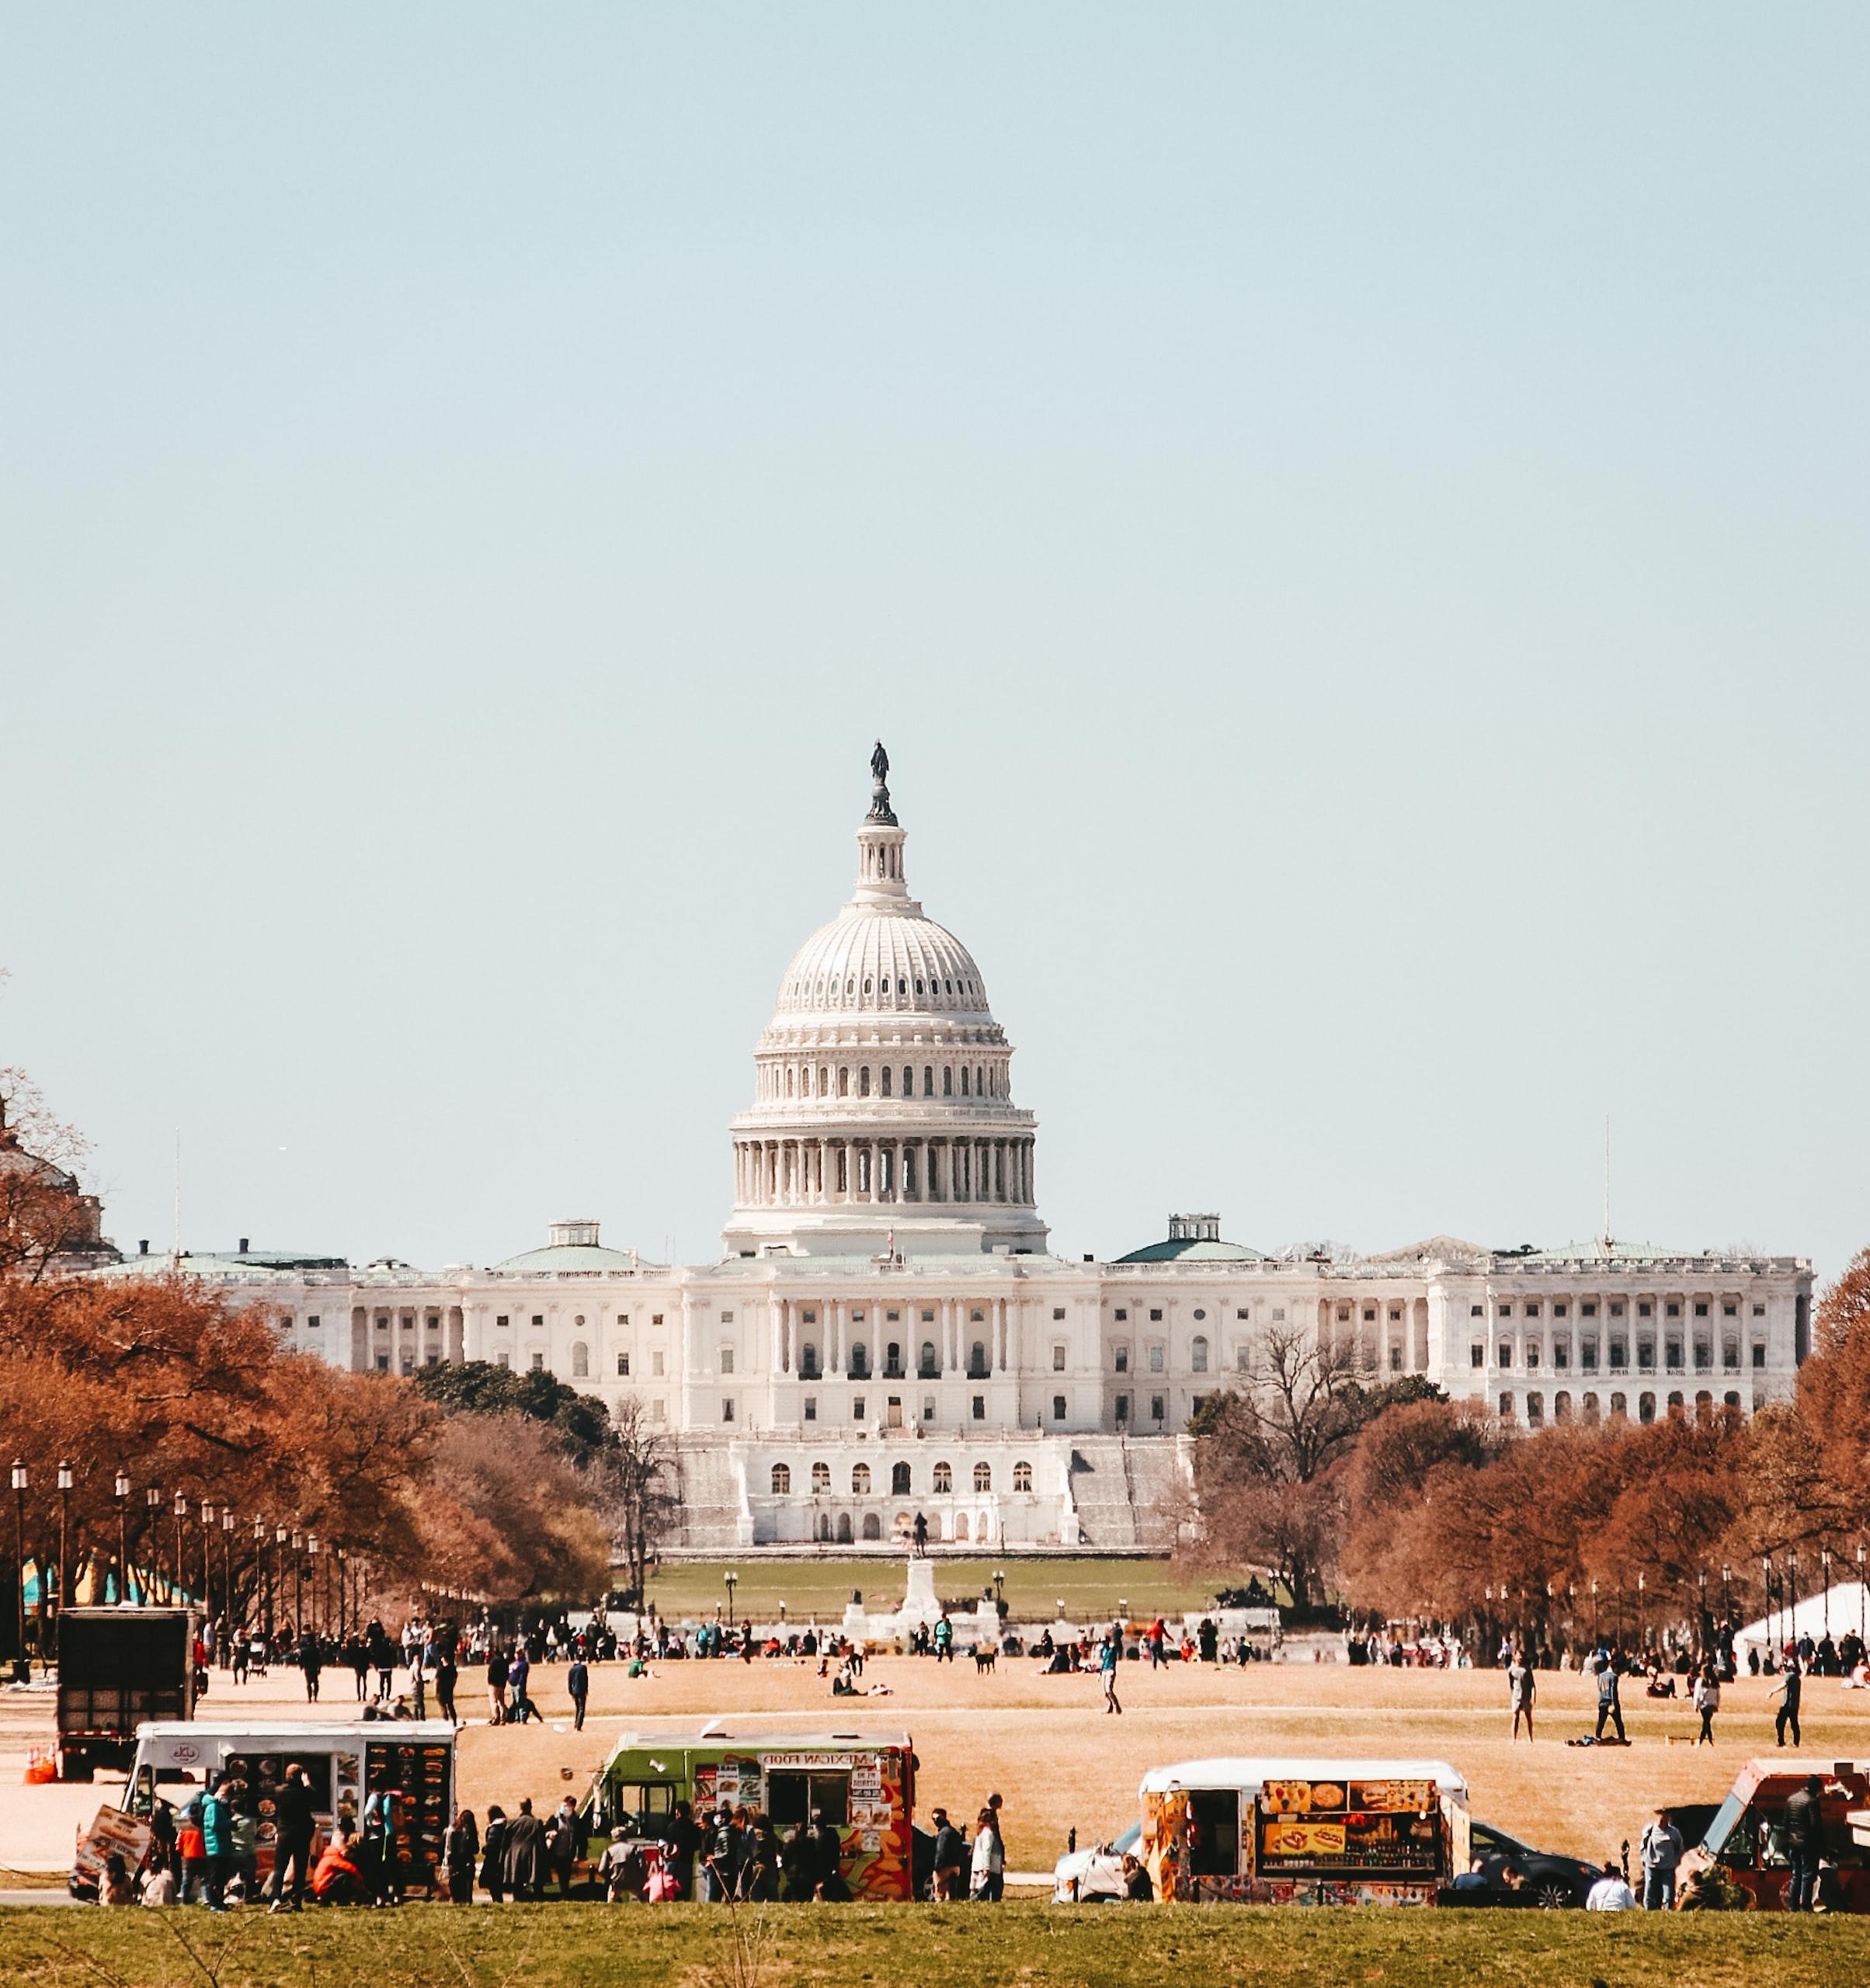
<point>862,1784</point>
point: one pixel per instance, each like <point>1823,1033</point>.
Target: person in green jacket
<point>217,1844</point>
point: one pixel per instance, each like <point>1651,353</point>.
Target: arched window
<point>782,1480</point>
<point>843,1528</point>
<point>1620,1405</point>
<point>980,1081</point>
<point>821,1479</point>
<point>961,1526</point>
<point>1591,1408</point>
<point>885,1077</point>
<point>1536,1411</point>
<point>864,1082</point>
<point>858,1362</point>
<point>908,1080</point>
<point>964,1080</point>
<point>1198,1354</point>
<point>788,1080</point>
<point>944,1478</point>
<point>824,1080</point>
<point>1561,1408</point>
<point>873,1525</point>
<point>928,1359</point>
<point>581,1362</point>
<point>1646,1407</point>
<point>899,1480</point>
<point>1704,1406</point>
<point>1676,1405</point>
<point>823,1529</point>
<point>983,1477</point>
<point>1506,1408</point>
<point>977,1366</point>
<point>843,1081</point>
<point>928,1071</point>
<point>1730,1401</point>
<point>1022,1477</point>
<point>947,1080</point>
<point>860,1480</point>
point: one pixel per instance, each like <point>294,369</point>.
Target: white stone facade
<point>886,1334</point>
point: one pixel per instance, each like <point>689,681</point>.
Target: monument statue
<point>879,809</point>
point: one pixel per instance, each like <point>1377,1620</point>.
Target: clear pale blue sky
<point>1351,521</point>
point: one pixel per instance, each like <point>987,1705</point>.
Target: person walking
<point>297,1821</point>
<point>1107,1663</point>
<point>446,1672</point>
<point>525,1854</point>
<point>989,1867</point>
<point>1521,1690</point>
<point>566,1839</point>
<point>1786,1697</point>
<point>1804,1843</point>
<point>944,1639</point>
<point>311,1661</point>
<point>681,1844</point>
<point>1707,1695</point>
<point>1610,1704</point>
<point>1663,1850</point>
<point>380,1833</point>
<point>951,1856</point>
<point>357,1654</point>
<point>499,1671</point>
<point>460,1852</point>
<point>522,1707</point>
<point>493,1854</point>
<point>578,1683</point>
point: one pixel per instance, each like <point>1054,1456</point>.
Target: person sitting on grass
<point>115,1887</point>
<point>1136,1885</point>
<point>1612,1893</point>
<point>339,1878</point>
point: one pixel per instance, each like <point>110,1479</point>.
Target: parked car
<point>1549,1880</point>
<point>1085,1877</point>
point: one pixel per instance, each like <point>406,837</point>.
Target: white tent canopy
<point>1844,1606</point>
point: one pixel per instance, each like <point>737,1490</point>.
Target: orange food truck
<point>1747,1836</point>
<point>1304,1831</point>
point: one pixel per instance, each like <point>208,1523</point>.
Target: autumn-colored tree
<point>1834,1389</point>
<point>46,1219</point>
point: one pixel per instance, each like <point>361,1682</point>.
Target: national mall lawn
<point>955,1946</point>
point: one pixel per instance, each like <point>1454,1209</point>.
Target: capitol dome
<point>883,1117</point>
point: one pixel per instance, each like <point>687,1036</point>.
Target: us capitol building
<point>886,1333</point>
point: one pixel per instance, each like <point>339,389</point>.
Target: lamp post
<point>1824,1569</point>
<point>311,1549</point>
<point>152,1506</point>
<point>227,1565</point>
<point>1594,1611</point>
<point>731,1578</point>
<point>1766,1584</point>
<point>64,1514</point>
<point>999,1585</point>
<point>1861,1591</point>
<point>208,1559</point>
<point>121,1488</point>
<point>260,1565</point>
<point>1642,1619</point>
<point>1727,1595</point>
<point>19,1553</point>
<point>343,1580</point>
<point>298,1587</point>
<point>181,1509</point>
<point>1700,1610</point>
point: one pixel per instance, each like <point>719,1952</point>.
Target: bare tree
<point>1304,1401</point>
<point>48,1222</point>
<point>639,1463</point>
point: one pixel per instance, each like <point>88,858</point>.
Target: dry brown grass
<point>1046,1744</point>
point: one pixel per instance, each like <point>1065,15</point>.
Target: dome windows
<point>885,1073</point>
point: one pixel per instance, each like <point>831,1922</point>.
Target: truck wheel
<point>73,1767</point>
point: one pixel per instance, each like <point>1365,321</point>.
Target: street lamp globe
<point>65,1477</point>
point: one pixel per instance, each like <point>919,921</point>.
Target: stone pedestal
<point>919,1603</point>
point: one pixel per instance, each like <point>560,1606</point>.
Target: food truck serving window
<point>792,1796</point>
<point>1214,1832</point>
<point>1332,1826</point>
<point>260,1777</point>
<point>644,1807</point>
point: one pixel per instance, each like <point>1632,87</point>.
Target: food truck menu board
<point>1326,1826</point>
<point>420,1773</point>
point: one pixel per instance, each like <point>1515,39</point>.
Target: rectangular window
<point>1701,1308</point>
<point>928,1408</point>
<point>1646,1353</point>
<point>1156,1360</point>
<point>1156,1407</point>
<point>1123,1360</point>
<point>622,1317</point>
<point>1242,1360</point>
<point>1370,1312</point>
<point>659,1409</point>
<point>1730,1356</point>
<point>1759,1354</point>
<point>1617,1308</point>
<point>1121,1315</point>
<point>1590,1310</point>
<point>538,1362</point>
<point>1506,1354</point>
<point>856,1408</point>
<point>623,1366</point>
<point>1057,1359</point>
<point>1704,1356</point>
<point>1477,1354</point>
<point>1587,1355</point>
<point>1673,1309</point>
<point>538,1318</point>
<point>1505,1311</point>
<point>811,1319</point>
<point>726,1359</point>
<point>1759,1310</point>
<point>1558,1310</point>
<point>1644,1308</point>
<point>503,1320</point>
<point>655,1363</point>
<point>727,1318</point>
<point>1475,1311</point>
<point>980,1407</point>
<point>1395,1360</point>
<point>1532,1353</point>
<point>1123,1408</point>
<point>383,1323</point>
<point>503,1358</point>
<point>409,1321</point>
<point>1620,1354</point>
<point>383,1362</point>
<point>311,1324</point>
<point>655,1317</point>
<point>1244,1315</point>
<point>1674,1349</point>
<point>1561,1354</point>
<point>811,1408</point>
<point>1058,1408</point>
<point>1532,1311</point>
<point>432,1358</point>
<point>1730,1311</point>
<point>1155,1318</point>
<point>1058,1311</point>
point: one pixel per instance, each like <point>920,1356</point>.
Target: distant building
<point>47,1220</point>
<point>886,1334</point>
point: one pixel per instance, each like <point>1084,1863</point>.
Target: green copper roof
<point>1188,1249</point>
